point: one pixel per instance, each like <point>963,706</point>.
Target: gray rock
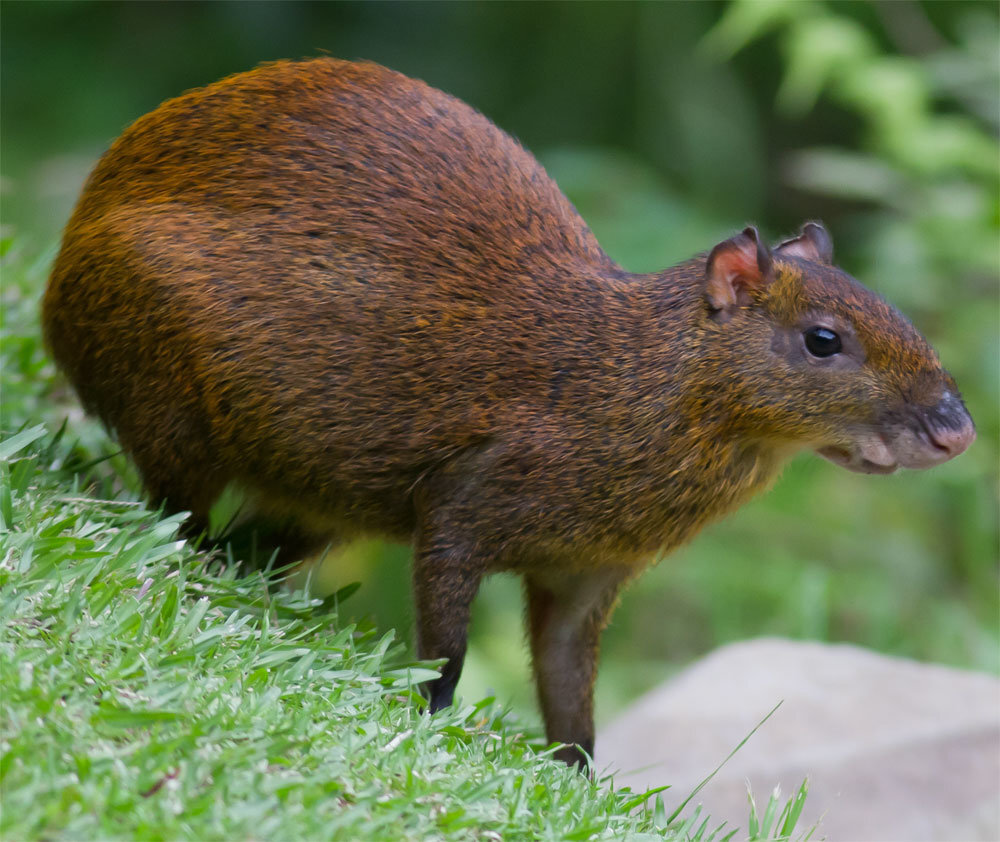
<point>895,750</point>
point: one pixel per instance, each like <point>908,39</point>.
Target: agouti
<point>359,300</point>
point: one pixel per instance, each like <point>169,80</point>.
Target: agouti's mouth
<point>856,461</point>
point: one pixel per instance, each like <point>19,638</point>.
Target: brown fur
<point>356,297</point>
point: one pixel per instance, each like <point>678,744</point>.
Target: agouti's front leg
<point>446,577</point>
<point>565,621</point>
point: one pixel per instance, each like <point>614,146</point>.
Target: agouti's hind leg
<point>565,621</point>
<point>179,483</point>
<point>181,496</point>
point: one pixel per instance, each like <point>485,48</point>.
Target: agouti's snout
<point>354,296</point>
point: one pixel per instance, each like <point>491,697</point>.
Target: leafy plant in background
<point>927,173</point>
<point>928,170</point>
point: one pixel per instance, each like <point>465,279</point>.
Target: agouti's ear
<point>735,267</point>
<point>813,244</point>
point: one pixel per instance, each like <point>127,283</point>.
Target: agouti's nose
<point>951,428</point>
<point>954,441</point>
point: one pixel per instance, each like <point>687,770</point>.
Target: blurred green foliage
<point>669,125</point>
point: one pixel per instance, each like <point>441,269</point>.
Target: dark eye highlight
<point>822,342</point>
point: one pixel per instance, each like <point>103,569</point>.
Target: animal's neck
<point>691,459</point>
<point>700,479</point>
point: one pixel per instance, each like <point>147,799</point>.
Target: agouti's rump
<point>357,298</point>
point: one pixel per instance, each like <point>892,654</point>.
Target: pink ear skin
<point>813,244</point>
<point>734,268</point>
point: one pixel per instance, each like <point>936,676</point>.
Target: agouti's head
<point>812,358</point>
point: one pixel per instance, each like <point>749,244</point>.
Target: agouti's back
<point>315,274</point>
<point>356,298</point>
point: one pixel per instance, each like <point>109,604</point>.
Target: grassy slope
<point>151,693</point>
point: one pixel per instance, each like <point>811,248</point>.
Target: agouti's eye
<point>822,342</point>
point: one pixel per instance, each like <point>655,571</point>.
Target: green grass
<point>150,692</point>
